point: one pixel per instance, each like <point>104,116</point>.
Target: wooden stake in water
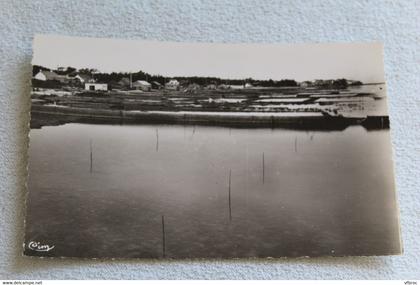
<point>157,139</point>
<point>230,202</point>
<point>163,237</point>
<point>91,156</point>
<point>193,132</point>
<point>295,144</point>
<point>263,168</point>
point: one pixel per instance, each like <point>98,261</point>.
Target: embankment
<point>44,115</point>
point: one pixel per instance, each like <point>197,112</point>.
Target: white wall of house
<point>236,86</point>
<point>96,86</point>
<point>142,85</point>
<point>40,76</point>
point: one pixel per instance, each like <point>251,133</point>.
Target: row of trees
<point>141,75</point>
<point>185,80</point>
<point>114,77</point>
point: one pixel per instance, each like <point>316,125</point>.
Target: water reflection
<point>223,192</point>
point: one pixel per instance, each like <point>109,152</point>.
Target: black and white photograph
<point>148,149</point>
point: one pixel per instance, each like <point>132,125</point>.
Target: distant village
<point>139,96</point>
<point>68,78</point>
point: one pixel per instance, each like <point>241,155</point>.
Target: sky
<point>356,61</point>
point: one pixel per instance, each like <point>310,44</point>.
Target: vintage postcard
<point>143,149</point>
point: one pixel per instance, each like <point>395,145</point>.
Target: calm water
<point>322,192</point>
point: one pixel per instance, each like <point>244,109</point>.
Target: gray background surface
<point>395,23</point>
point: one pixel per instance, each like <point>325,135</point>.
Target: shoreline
<point>50,115</point>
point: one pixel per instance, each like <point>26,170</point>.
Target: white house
<point>211,87</point>
<point>236,86</point>
<point>192,88</point>
<point>223,86</point>
<point>172,85</point>
<point>83,78</point>
<point>305,84</point>
<point>40,76</point>
<point>45,75</point>
<point>96,86</point>
<point>142,85</point>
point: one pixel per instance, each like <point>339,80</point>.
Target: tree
<point>37,68</point>
<point>340,83</point>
